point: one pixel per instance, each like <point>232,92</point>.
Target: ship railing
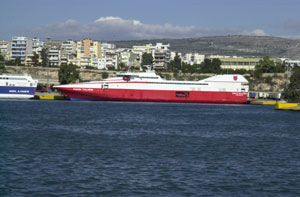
<point>18,75</point>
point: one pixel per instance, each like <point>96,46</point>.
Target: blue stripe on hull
<point>84,99</point>
<point>17,90</point>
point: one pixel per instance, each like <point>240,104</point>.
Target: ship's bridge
<point>227,78</point>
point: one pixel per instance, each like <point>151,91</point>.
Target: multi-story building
<point>54,56</point>
<point>68,47</point>
<point>193,58</point>
<point>291,62</point>
<point>28,60</point>
<point>198,58</point>
<point>130,59</point>
<point>161,56</point>
<point>19,48</point>
<point>64,59</point>
<point>100,63</point>
<point>37,46</point>
<point>107,46</point>
<point>4,49</point>
<point>111,59</point>
<point>239,63</point>
<point>139,50</point>
<point>34,47</point>
<point>70,60</point>
<point>86,51</point>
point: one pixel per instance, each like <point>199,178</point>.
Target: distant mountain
<point>247,46</point>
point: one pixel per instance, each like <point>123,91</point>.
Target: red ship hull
<point>138,95</point>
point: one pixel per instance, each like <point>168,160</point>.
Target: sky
<point>148,19</point>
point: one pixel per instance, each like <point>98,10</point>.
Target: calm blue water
<point>63,148</point>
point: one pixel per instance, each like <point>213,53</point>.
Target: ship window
<point>6,83</point>
<point>149,77</point>
<point>182,94</point>
<point>105,86</point>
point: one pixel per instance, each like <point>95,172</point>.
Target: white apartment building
<point>68,47</point>
<point>140,50</point>
<point>128,58</point>
<point>193,58</point>
<point>292,62</point>
<point>100,63</point>
<point>37,46</point>
<point>5,49</point>
<point>111,59</point>
<point>107,46</point>
<point>160,54</point>
<point>68,51</point>
<point>19,48</point>
<point>54,56</point>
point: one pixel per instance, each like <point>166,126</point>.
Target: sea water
<point>64,148</point>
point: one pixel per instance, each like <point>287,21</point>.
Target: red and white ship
<point>149,87</point>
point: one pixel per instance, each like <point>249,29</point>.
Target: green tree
<point>187,68</point>
<point>292,92</point>
<point>280,68</point>
<point>90,67</point>
<point>204,66</point>
<point>122,67</point>
<point>147,59</point>
<point>215,65</point>
<point>175,65</point>
<point>18,61</point>
<point>68,74</point>
<point>177,62</point>
<point>2,66</point>
<point>35,59</point>
<point>197,68</point>
<point>184,67</point>
<point>211,66</point>
<point>11,63</point>
<point>104,75</point>
<point>257,74</point>
<point>266,65</point>
<point>44,56</point>
<point>1,58</point>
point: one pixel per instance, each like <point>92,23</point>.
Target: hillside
<point>228,45</point>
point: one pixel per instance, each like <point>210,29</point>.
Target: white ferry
<point>17,86</point>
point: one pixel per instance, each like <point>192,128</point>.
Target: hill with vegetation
<point>248,46</point>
